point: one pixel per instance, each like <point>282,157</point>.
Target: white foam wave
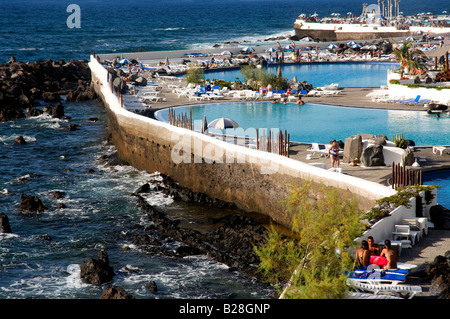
<point>47,121</point>
<point>250,40</point>
<point>28,49</point>
<point>167,29</point>
<point>74,280</point>
<point>9,139</point>
<point>157,199</point>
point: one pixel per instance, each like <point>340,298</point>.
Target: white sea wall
<point>253,180</point>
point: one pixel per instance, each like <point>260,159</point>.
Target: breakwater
<point>253,180</point>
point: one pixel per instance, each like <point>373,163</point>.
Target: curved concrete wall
<point>254,180</point>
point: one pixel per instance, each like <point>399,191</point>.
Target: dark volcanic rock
<point>20,140</point>
<point>95,271</point>
<point>31,204</point>
<point>4,224</point>
<point>439,271</point>
<point>115,292</point>
<point>231,241</point>
<point>373,156</point>
<point>21,84</point>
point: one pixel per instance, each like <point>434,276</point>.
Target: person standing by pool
<point>333,151</point>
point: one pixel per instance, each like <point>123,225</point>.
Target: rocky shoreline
<point>26,86</point>
<point>230,241</point>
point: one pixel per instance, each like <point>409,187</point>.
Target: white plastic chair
<point>404,231</point>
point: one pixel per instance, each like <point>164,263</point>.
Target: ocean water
<point>38,30</point>
<point>99,209</point>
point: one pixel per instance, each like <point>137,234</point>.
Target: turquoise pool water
<point>321,123</point>
<point>440,178</point>
<point>347,74</point>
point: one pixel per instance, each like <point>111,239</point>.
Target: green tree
<point>195,74</point>
<point>314,261</point>
<point>409,57</point>
<point>261,76</point>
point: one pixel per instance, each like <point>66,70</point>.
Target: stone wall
<point>253,180</point>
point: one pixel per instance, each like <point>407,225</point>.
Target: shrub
<point>312,262</point>
<point>195,74</point>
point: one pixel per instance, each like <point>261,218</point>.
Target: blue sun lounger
<point>378,276</point>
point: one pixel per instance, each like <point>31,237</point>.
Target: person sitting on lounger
<point>390,254</point>
<point>362,257</point>
<point>374,248</point>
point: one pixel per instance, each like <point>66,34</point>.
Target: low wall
<point>253,180</point>
<point>383,229</point>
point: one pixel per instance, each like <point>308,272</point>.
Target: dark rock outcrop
<point>372,155</point>
<point>95,271</point>
<point>439,271</point>
<point>22,84</point>
<point>231,239</point>
<point>115,292</point>
<point>4,224</point>
<point>31,204</point>
<point>20,140</point>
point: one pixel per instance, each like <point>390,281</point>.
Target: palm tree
<point>409,57</point>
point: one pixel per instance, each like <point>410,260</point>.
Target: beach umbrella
<point>351,43</point>
<point>247,49</point>
<point>373,47</point>
<point>307,39</point>
<point>226,53</point>
<point>222,123</point>
<point>332,47</point>
<point>204,125</point>
<point>410,39</point>
<point>271,50</point>
<point>439,37</point>
<point>288,47</point>
<point>124,61</point>
<point>356,46</point>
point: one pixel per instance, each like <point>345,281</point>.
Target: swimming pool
<point>320,123</point>
<point>347,74</point>
<point>440,178</point>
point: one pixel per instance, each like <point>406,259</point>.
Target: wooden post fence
<point>401,176</point>
<point>278,144</point>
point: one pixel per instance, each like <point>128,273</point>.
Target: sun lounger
<point>376,288</point>
<point>318,150</point>
<point>365,295</point>
<point>378,276</point>
<point>441,150</point>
